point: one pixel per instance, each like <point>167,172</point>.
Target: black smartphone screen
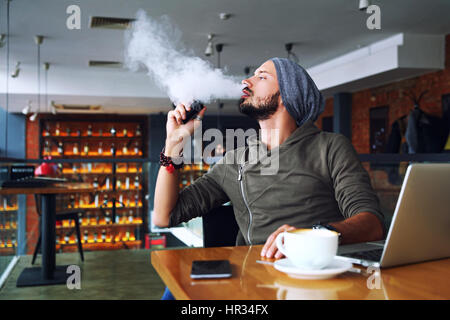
<point>207,269</point>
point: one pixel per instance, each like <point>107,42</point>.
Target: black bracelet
<point>167,161</point>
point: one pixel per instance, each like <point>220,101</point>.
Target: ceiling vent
<point>105,64</point>
<point>76,108</point>
<point>111,23</point>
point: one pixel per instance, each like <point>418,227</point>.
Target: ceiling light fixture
<point>209,51</point>
<point>46,67</point>
<point>16,71</point>
<point>219,48</point>
<point>363,4</point>
<point>224,16</point>
<point>2,40</point>
<point>38,39</point>
<point>27,109</point>
<point>290,55</point>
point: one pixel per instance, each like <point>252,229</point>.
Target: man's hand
<point>177,131</point>
<point>270,249</point>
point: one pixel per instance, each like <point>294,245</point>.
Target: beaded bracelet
<point>167,162</point>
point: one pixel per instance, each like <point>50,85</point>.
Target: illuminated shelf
<point>93,137</point>
<point>10,209</point>
<point>112,245</point>
<point>100,225</point>
<point>83,143</point>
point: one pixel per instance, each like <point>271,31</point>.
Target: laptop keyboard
<point>371,255</point>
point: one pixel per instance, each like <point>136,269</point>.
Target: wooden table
<point>49,273</point>
<point>256,281</point>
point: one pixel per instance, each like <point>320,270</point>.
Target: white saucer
<point>333,269</point>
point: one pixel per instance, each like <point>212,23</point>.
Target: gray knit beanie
<point>298,91</point>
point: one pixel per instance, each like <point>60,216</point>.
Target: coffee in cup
<point>309,248</point>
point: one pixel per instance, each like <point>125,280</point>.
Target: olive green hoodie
<point>319,178</point>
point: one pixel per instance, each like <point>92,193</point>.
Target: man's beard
<point>263,111</point>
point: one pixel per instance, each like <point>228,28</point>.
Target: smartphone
<point>210,269</point>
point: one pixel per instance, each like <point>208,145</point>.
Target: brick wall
<point>393,95</point>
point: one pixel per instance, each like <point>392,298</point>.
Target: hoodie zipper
<point>241,182</point>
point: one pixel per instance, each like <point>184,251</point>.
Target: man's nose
<point>247,82</point>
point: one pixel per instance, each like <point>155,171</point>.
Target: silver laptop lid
<point>420,228</point>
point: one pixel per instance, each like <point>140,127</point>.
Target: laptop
<point>420,227</point>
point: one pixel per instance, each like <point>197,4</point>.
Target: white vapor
<point>183,76</point>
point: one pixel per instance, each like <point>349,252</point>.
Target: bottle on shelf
<point>57,130</point>
<point>60,148</point>
<point>136,182</point>
<point>130,217</point>
<point>95,236</point>
<point>100,148</point>
<point>78,133</point>
<point>85,236</point>
<point>86,149</point>
<point>113,131</point>
<point>103,236</point>
<point>89,131</point>
<point>113,150</point>
<point>117,220</point>
<point>75,148</point>
<point>124,149</point>
<point>100,132</point>
<point>72,201</point>
<point>127,183</point>
<point>136,148</point>
<point>68,132</point>
<point>47,150</point>
<point>96,200</point>
<point>13,240</point>
<point>138,131</point>
<point>136,200</point>
<point>125,132</point>
<point>46,132</point>
<point>95,182</point>
<point>67,238</point>
<point>108,217</point>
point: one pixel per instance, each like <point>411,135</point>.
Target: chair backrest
<point>220,227</point>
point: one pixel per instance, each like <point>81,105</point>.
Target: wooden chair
<point>60,216</point>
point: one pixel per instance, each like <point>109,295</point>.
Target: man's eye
<point>262,78</point>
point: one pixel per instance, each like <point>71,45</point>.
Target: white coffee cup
<point>308,248</point>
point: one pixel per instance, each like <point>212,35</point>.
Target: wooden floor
<point>122,274</point>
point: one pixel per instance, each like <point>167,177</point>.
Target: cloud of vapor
<point>155,44</point>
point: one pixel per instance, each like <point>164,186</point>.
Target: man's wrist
<point>172,149</point>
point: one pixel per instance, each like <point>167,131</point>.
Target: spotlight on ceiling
<point>2,40</point>
<point>33,116</point>
<point>16,71</point>
<point>363,4</point>
<point>209,51</point>
<point>224,16</point>
<point>27,109</point>
<point>291,55</point>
